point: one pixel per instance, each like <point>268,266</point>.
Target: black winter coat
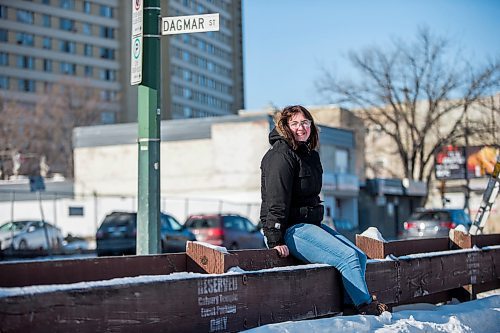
<point>290,179</point>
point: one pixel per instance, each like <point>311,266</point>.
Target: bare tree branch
<point>419,94</point>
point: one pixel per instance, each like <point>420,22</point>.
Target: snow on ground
<point>479,316</point>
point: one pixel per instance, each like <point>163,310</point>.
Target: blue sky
<point>287,42</point>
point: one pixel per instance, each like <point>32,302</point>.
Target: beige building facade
<point>214,158</point>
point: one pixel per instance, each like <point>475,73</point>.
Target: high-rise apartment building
<point>46,42</point>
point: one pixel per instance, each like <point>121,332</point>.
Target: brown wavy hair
<point>281,120</point>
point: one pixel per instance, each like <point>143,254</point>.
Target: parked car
<point>118,231</point>
<point>434,222</point>
<point>228,230</point>
<point>30,235</point>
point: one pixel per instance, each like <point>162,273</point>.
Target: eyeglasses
<point>304,123</point>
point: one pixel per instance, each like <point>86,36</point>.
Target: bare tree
<point>45,130</point>
<point>418,94</point>
<point>67,106</point>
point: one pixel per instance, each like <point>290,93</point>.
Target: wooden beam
<point>464,240</point>
<point>205,259</point>
<point>376,249</point>
<point>19,274</point>
<point>408,279</point>
<point>211,303</point>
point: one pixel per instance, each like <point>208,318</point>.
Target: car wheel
<point>23,245</point>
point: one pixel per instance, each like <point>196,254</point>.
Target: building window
<point>107,32</point>
<point>25,39</point>
<point>187,93</point>
<point>107,53</point>
<point>27,85</point>
<point>68,47</point>
<point>24,16</point>
<point>3,35</point>
<point>67,4</point>
<point>75,211</point>
<point>67,68</point>
<point>4,82</point>
<point>4,59</point>
<point>47,65</point>
<point>46,19</point>
<point>87,7</point>
<point>25,62</point>
<point>66,24</point>
<point>88,71</point>
<point>188,112</point>
<point>88,50</point>
<point>47,43</point>
<point>87,29</point>
<point>3,11</point>
<point>341,160</point>
<point>107,75</point>
<point>108,117</point>
<point>46,2</point>
<point>106,11</point>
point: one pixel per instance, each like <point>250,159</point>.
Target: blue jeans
<point>322,245</point>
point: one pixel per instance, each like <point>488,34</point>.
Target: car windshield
<point>14,226</point>
<point>170,223</point>
<point>202,222</point>
<point>119,220</point>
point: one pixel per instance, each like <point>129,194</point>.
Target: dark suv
<point>118,231</point>
<point>434,222</point>
<point>229,230</point>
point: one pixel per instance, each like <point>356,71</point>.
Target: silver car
<point>434,222</point>
<point>30,235</point>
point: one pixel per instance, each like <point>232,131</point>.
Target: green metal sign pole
<point>149,100</point>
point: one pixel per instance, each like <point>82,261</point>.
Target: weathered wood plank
<point>376,249</point>
<point>209,260</point>
<point>18,274</point>
<point>407,280</point>
<point>228,303</point>
<point>463,240</point>
<point>382,279</point>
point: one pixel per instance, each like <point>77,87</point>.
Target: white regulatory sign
<point>136,43</point>
<point>188,24</point>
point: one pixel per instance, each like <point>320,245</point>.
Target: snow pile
<point>479,316</point>
<point>372,232</point>
<point>461,228</point>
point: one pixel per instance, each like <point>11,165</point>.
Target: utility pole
<point>465,151</point>
<point>149,101</point>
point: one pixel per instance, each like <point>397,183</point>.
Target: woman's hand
<point>282,250</point>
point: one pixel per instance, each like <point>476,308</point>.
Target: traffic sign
<point>188,24</point>
<point>136,43</point>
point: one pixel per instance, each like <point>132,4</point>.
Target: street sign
<point>36,183</point>
<point>136,43</point>
<point>188,24</point>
